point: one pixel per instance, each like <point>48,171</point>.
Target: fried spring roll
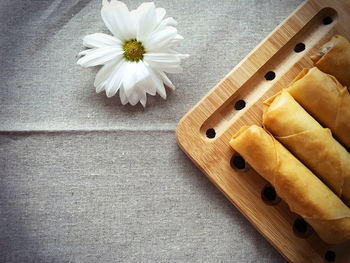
<point>334,58</point>
<point>309,142</point>
<point>325,99</point>
<point>305,194</point>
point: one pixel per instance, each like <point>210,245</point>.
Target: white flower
<point>138,54</point>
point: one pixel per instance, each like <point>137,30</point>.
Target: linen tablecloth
<point>85,179</point>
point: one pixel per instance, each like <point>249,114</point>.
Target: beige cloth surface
<point>84,179</point>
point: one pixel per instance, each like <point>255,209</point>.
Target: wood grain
<point>247,82</point>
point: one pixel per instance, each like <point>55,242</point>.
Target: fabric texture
<point>85,179</point>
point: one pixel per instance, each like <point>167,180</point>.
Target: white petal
<point>144,79</point>
<point>141,73</point>
<point>158,84</point>
<point>167,66</point>
<point>134,14</point>
<point>102,75</point>
<point>135,97</point>
<point>143,99</point>
<point>182,56</point>
<point>176,40</point>
<point>166,80</point>
<point>172,69</point>
<point>172,52</point>
<point>169,21</point>
<point>147,20</point>
<point>129,81</point>
<point>160,39</point>
<point>177,69</point>
<point>122,96</point>
<point>85,52</point>
<point>160,14</point>
<point>116,79</point>
<point>148,86</point>
<point>116,17</point>
<point>162,57</point>
<point>99,56</point>
<point>137,74</point>
<point>100,40</point>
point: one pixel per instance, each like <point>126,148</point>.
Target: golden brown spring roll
<point>305,194</point>
<point>334,58</point>
<point>309,142</point>
<point>325,99</point>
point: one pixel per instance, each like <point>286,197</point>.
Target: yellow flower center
<point>133,50</point>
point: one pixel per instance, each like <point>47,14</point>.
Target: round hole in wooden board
<point>299,47</point>
<point>238,163</point>
<point>240,104</point>
<point>269,195</point>
<point>210,133</point>
<point>327,20</point>
<point>301,228</point>
<point>270,75</point>
<point>330,256</point>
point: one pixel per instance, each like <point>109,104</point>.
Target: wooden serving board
<point>205,131</point>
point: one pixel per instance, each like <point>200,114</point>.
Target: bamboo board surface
<point>217,115</point>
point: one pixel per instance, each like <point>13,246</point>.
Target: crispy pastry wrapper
<point>334,58</point>
<point>309,142</point>
<point>305,194</point>
<point>325,99</point>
